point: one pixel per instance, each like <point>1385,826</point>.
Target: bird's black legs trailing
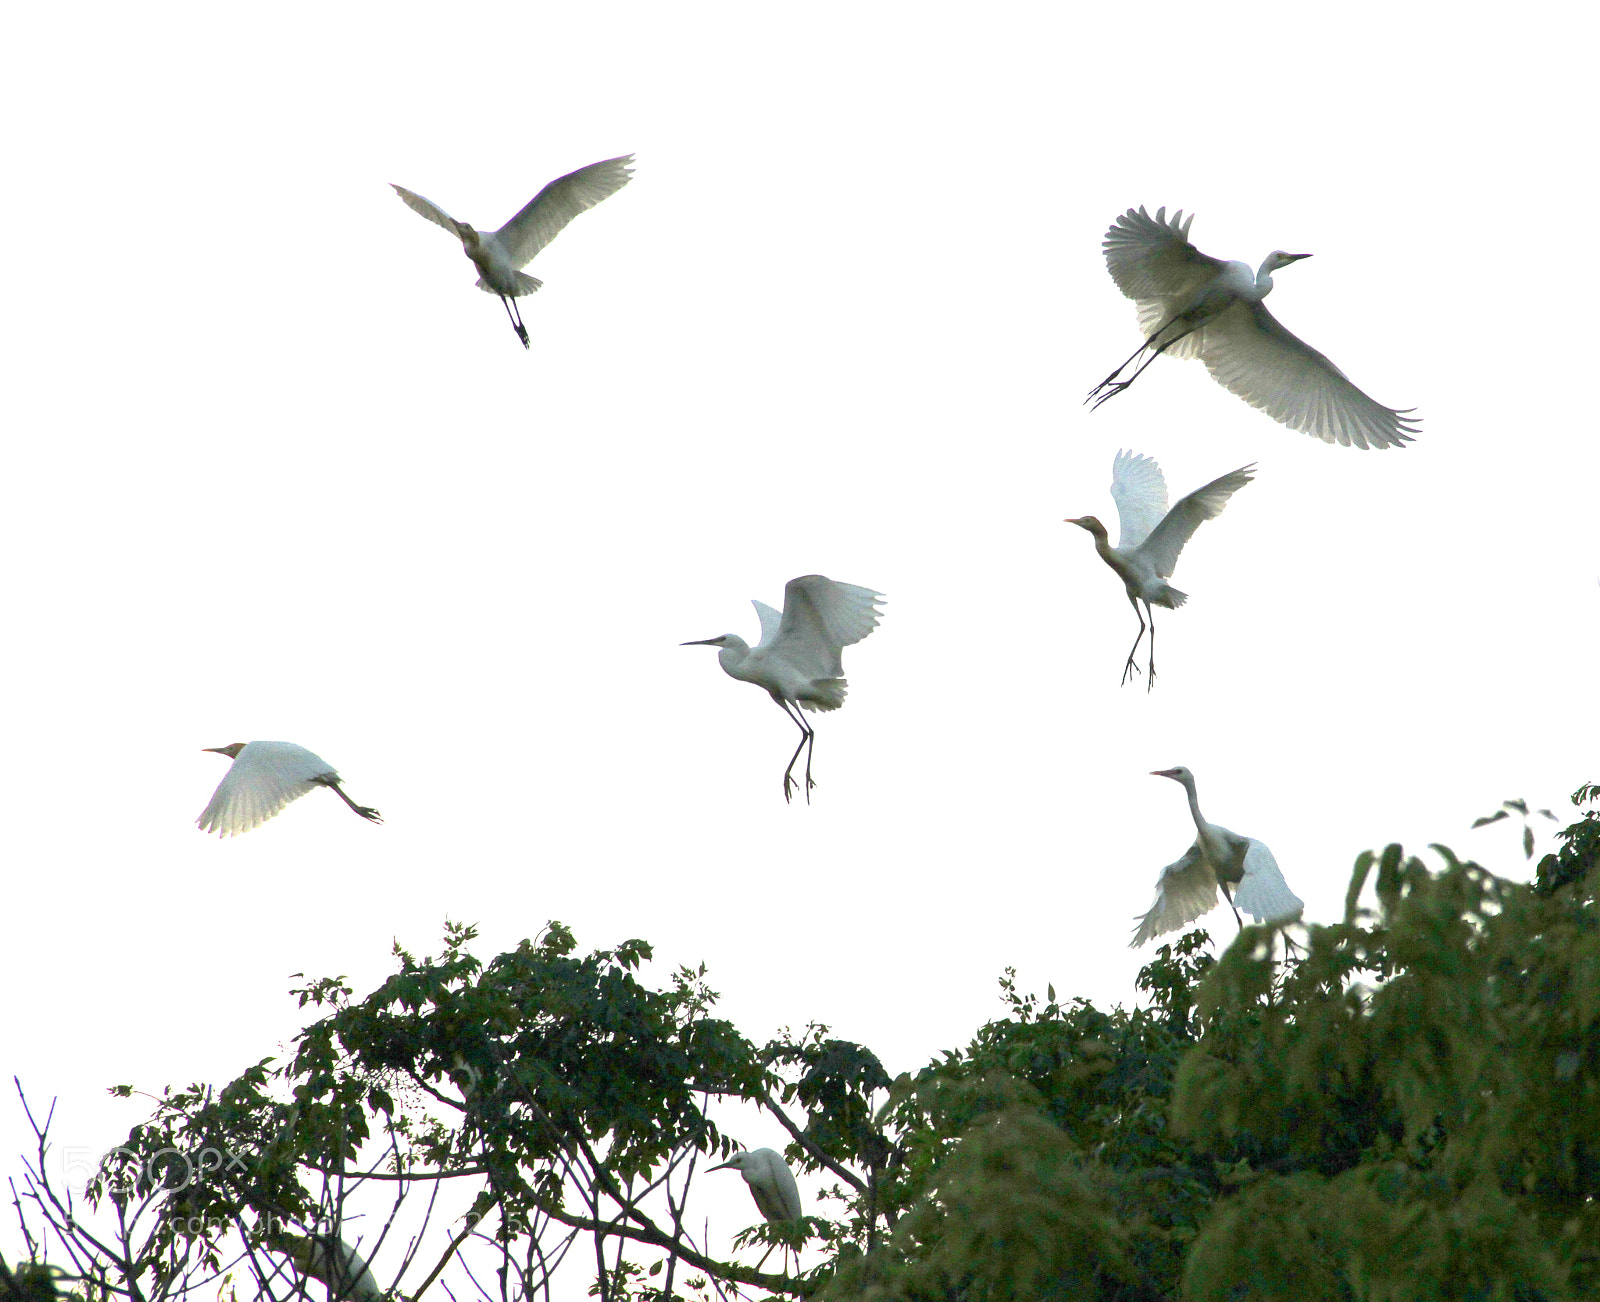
<point>1111,386</point>
<point>371,815</point>
<point>807,736</point>
<point>1131,668</point>
<point>516,321</point>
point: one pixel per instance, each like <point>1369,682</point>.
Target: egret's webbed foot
<point>371,815</point>
<point>1128,670</point>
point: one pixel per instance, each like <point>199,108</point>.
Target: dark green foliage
<point>1405,1110</point>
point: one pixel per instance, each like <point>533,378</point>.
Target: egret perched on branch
<point>332,1262</point>
<point>771,1182</point>
<point>1192,305</point>
<point>797,659</point>
<point>1188,888</point>
<point>1152,536</point>
<point>771,1185</point>
<point>500,255</point>
<point>264,777</point>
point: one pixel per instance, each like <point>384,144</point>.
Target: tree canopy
<point>1401,1107</point>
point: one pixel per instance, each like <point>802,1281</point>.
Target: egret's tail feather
<point>526,284</point>
<point>1170,597</point>
<point>824,694</point>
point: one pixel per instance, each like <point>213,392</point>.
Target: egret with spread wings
<point>798,658</point>
<point>1243,868</point>
<point>1152,536</point>
<point>500,255</point>
<point>263,778</point>
<point>1194,305</point>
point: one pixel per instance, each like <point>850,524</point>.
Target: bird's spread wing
<point>1178,526</point>
<point>770,622</point>
<point>1248,352</point>
<point>1185,890</point>
<point>431,211</point>
<point>1262,892</point>
<point>820,617</point>
<point>1141,497</point>
<point>1154,264</point>
<point>265,778</point>
<point>558,203</point>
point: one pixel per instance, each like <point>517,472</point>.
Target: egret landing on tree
<point>1152,536</point>
<point>264,777</point>
<point>500,255</point>
<point>1192,305</point>
<point>798,658</point>
<point>1188,888</point>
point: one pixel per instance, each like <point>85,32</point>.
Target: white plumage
<point>263,778</point>
<point>1218,858</point>
<point>771,1182</point>
<point>798,659</point>
<point>1193,305</point>
<point>1151,536</point>
<point>500,255</point>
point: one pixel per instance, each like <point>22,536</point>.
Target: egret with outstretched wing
<point>1194,305</point>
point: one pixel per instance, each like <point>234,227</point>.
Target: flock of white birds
<point>1189,305</point>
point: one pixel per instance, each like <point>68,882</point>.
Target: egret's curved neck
<point>732,654</point>
<point>1264,277</point>
<point>1194,804</point>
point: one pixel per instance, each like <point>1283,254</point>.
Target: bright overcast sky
<point>276,469</point>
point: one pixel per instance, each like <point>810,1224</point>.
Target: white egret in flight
<point>798,658</point>
<point>500,255</point>
<point>1188,888</point>
<point>264,777</point>
<point>1192,305</point>
<point>1152,536</point>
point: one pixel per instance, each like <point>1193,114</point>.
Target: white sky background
<point>276,469</point>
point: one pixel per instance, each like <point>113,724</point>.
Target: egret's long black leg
<point>371,815</point>
<point>1130,667</point>
<point>1114,386</point>
<point>1150,682</point>
<point>1112,377</point>
<point>1228,895</point>
<point>806,734</point>
<point>516,320</point>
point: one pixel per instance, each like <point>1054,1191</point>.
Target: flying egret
<point>771,1185</point>
<point>797,659</point>
<point>1152,536</point>
<point>264,777</point>
<point>1188,888</point>
<point>499,255</point>
<point>1192,305</point>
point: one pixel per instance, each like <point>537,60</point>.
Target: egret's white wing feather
<point>430,210</point>
<point>1251,354</point>
<point>1178,526</point>
<point>1262,892</point>
<point>774,1187</point>
<point>266,776</point>
<point>820,617</point>
<point>1140,492</point>
<point>541,220</point>
<point>1154,264</point>
<point>1185,890</point>
<point>770,621</point>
